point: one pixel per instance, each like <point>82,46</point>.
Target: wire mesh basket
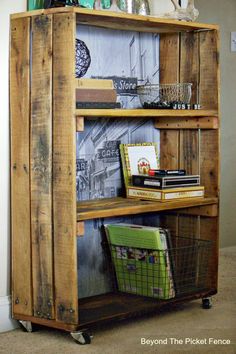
<point>181,269</point>
<point>164,95</point>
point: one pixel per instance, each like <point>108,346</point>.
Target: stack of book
<point>144,180</point>
<point>96,94</point>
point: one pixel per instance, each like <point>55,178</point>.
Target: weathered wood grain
<point>122,20</point>
<point>189,139</point>
<point>169,151</point>
<point>20,166</point>
<point>79,124</point>
<point>187,123</point>
<point>209,70</point>
<point>169,73</point>
<point>209,230</point>
<point>80,229</point>
<point>64,171</point>
<point>169,139</point>
<point>189,62</point>
<point>111,207</point>
<point>169,58</point>
<point>41,167</point>
<point>145,113</point>
<point>209,162</point>
<point>204,210</point>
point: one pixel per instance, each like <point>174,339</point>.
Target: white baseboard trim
<point>6,322</point>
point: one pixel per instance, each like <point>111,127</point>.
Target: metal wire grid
<point>168,93</point>
<point>180,270</point>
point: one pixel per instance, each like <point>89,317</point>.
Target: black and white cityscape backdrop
<point>123,54</point>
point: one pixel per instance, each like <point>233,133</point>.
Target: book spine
<point>170,285</point>
<point>140,181</point>
<point>97,105</point>
<point>139,193</point>
<point>94,84</point>
<point>162,195</point>
<point>153,173</point>
<point>95,95</point>
<point>123,162</point>
<point>185,194</point>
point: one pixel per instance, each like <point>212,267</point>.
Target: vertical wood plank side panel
<point>169,154</point>
<point>169,73</point>
<point>169,139</point>
<point>189,62</point>
<point>41,167</point>
<point>64,168</point>
<point>209,162</point>
<point>169,58</point>
<point>209,230</point>
<point>209,96</point>
<point>189,139</point>
<point>209,66</point>
<point>209,141</point>
<point>20,169</point>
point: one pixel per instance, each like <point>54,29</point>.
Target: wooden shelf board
<point>107,307</point>
<point>111,207</point>
<point>123,21</point>
<point>113,306</point>
<point>125,113</point>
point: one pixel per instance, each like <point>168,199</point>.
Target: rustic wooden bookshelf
<point>45,216</point>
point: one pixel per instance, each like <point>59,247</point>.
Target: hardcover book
<point>95,95</point>
<point>94,83</point>
<point>164,195</point>
<point>97,105</point>
<point>165,181</point>
<point>141,259</point>
<point>138,159</point>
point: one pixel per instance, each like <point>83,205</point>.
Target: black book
<point>97,105</point>
<point>162,182</point>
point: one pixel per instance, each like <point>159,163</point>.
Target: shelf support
<point>204,210</point>
<point>186,123</point>
<point>80,229</point>
<point>79,124</point>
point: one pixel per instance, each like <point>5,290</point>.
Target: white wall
<point>6,7</point>
<point>224,13</point>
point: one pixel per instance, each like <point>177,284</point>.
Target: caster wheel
<point>207,303</point>
<point>81,338</point>
<point>26,326</point>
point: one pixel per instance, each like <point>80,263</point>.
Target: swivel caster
<point>26,326</point>
<point>81,338</point>
<point>207,303</point>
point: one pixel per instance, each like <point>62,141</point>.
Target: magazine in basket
<point>141,260</point>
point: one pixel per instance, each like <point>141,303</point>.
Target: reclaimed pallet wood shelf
<point>45,215</point>
<point>126,113</point>
<point>122,21</point>
<point>110,207</point>
<point>104,308</point>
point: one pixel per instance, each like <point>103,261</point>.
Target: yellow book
<point>138,159</point>
<point>164,195</point>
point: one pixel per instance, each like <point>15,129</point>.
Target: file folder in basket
<point>141,260</point>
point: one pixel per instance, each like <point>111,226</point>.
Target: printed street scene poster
<point>130,58</point>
